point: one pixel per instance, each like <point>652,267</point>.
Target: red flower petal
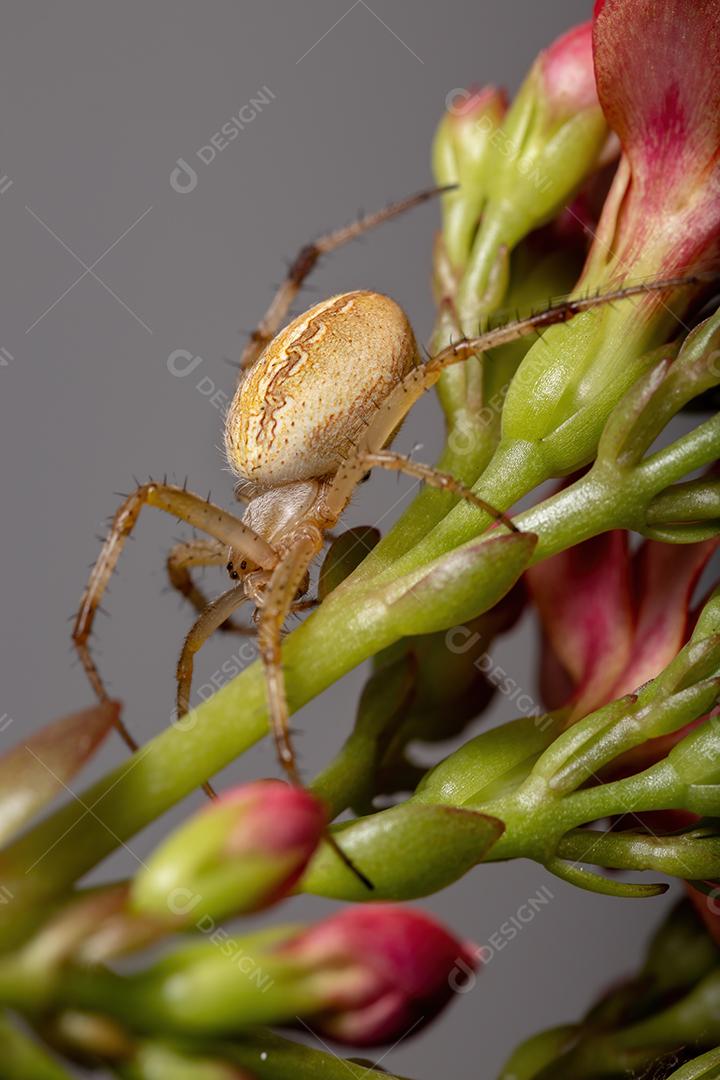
<point>405,968</point>
<point>658,76</point>
<point>666,575</point>
<point>585,603</point>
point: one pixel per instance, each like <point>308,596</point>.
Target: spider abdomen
<point>300,409</point>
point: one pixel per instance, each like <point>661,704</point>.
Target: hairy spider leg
<point>199,513</point>
<point>402,397</point>
<point>189,553</point>
<point>305,261</point>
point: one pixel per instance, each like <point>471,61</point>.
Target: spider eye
<point>243,564</point>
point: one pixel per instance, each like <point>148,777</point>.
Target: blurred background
<point>114,257</point>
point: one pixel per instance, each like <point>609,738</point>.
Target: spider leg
<point>381,428</point>
<point>305,605</point>
<point>388,459</point>
<point>559,312</point>
<point>287,577</point>
<point>306,259</point>
<point>279,595</point>
<point>189,508</point>
<point>191,553</point>
<point>211,619</point>
<point>216,614</point>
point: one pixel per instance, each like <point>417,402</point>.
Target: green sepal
<point>344,555</point>
<point>408,851</point>
<point>458,586</point>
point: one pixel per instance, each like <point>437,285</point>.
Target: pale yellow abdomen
<point>298,412</point>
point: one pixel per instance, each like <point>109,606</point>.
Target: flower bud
<point>240,854</point>
<point>459,585</point>
<point>460,155</point>
<point>538,1052</point>
<point>410,850</point>
<point>550,141</point>
<point>367,975</point>
<point>552,137</point>
<point>659,84</point>
<point>701,1068</point>
<point>385,969</point>
<point>680,953</point>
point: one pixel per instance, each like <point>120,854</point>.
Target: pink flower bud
<point>242,853</point>
<point>567,72</point>
<point>275,818</point>
<point>386,970</point>
<point>466,107</point>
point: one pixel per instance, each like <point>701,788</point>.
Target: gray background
<point>99,101</point>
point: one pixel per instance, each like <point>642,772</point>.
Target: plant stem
<point>513,472</point>
<point>672,855</point>
<point>350,626</point>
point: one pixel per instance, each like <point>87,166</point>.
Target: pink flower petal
<point>666,576</point>
<point>568,72</point>
<point>658,76</point>
<point>393,967</point>
<point>584,599</point>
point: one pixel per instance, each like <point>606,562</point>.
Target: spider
<point>316,408</point>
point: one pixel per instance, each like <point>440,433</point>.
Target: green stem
<point>348,628</point>
<point>22,1059</point>
<point>535,823</point>
<point>676,856</point>
<point>603,499</point>
<point>464,457</point>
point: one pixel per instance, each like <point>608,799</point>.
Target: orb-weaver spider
<point>316,407</point>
